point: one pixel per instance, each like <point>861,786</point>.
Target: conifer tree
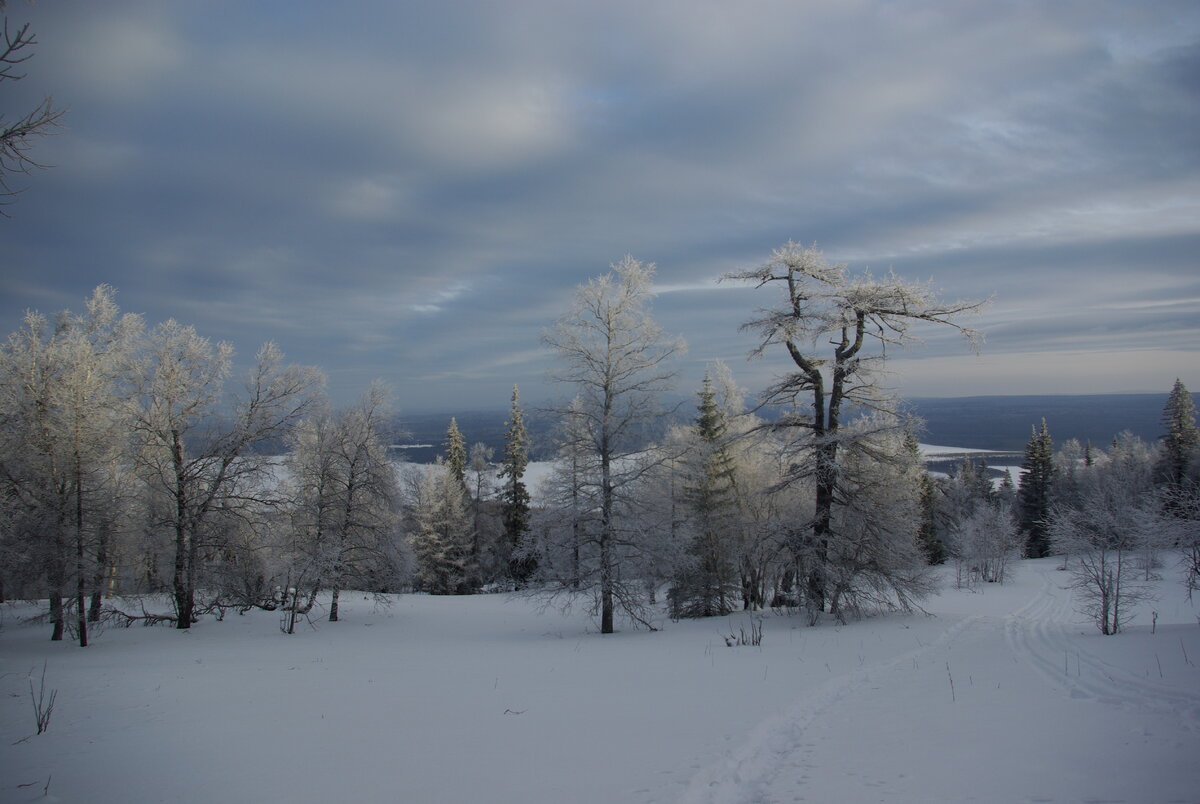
<point>708,583</point>
<point>1033,496</point>
<point>619,362</point>
<point>514,496</point>
<point>927,538</point>
<point>456,453</point>
<point>441,535</point>
<point>1182,438</point>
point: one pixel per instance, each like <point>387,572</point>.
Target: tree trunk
<point>80,576</point>
<point>98,579</point>
<point>181,588</point>
<point>58,582</point>
<point>333,605</point>
<point>56,614</point>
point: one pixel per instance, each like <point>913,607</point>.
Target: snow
<point>1003,694</point>
<point>935,451</point>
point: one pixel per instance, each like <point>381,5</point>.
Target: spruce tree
<point>514,496</point>
<point>927,537</point>
<point>708,583</point>
<point>1182,438</point>
<point>456,453</point>
<point>1033,496</point>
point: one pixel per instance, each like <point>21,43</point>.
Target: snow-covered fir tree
<point>514,496</point>
<point>1182,440</point>
<point>456,453</point>
<point>707,582</point>
<point>440,535</point>
<point>1034,494</point>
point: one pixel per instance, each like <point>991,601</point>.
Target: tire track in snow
<point>744,774</point>
<point>1038,632</point>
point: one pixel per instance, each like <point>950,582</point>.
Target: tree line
<point>133,464</point>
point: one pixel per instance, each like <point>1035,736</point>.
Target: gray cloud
<point>413,191</point>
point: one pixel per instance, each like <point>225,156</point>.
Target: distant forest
<point>999,423</point>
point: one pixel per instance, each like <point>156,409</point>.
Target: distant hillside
<point>1000,423</point>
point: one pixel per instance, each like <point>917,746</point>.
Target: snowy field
<point>1002,695</point>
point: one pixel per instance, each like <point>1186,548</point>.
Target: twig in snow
<point>42,708</point>
<point>951,677</point>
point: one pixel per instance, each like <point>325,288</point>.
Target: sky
<point>413,191</point>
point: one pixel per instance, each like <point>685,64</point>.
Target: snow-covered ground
<point>1001,695</point>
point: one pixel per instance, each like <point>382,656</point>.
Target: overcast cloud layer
<point>412,191</point>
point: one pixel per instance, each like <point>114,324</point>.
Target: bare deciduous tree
<point>200,457</point>
<point>16,135</point>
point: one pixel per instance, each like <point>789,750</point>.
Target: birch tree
<point>618,362</point>
<point>64,430</point>
<point>345,509</point>
<point>836,330</point>
<point>1109,535</point>
<point>199,455</point>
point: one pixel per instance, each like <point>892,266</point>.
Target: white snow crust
<point>1003,694</point>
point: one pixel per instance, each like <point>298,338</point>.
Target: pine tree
<point>456,453</point>
<point>1033,496</point>
<point>708,583</point>
<point>514,496</point>
<point>1182,438</point>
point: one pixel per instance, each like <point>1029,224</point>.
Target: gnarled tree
<point>836,329</point>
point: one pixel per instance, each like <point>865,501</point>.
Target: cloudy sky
<point>412,191</point>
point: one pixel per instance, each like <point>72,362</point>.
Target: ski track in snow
<point>1038,632</point>
<point>744,774</point>
<point>1035,633</point>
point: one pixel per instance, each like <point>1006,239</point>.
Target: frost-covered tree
<point>63,438</point>
<point>566,515</point>
<point>344,511</point>
<point>876,562</point>
<point>618,362</point>
<point>984,543</point>
<point>440,534</point>
<point>836,330</point>
<point>514,495</point>
<point>1181,444</point>
<point>976,525</point>
<point>198,454</point>
<point>456,453</point>
<point>707,581</point>
<point>1109,535</point>
<point>485,530</point>
<point>1034,496</point>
